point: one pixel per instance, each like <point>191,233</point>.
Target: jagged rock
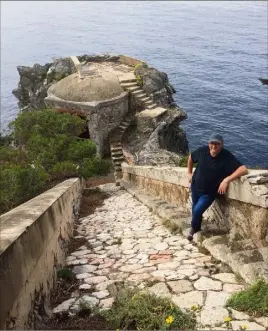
<point>98,58</point>
<point>156,84</point>
<point>32,87</point>
<point>35,81</point>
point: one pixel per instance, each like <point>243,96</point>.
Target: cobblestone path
<point>128,242</point>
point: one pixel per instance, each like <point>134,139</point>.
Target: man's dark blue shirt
<point>211,171</point>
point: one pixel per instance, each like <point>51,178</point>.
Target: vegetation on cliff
<point>253,300</point>
<point>45,149</point>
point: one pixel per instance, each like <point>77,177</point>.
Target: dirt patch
<point>66,322</point>
<point>100,180</point>
<point>63,291</point>
<point>75,243</point>
<point>91,199</point>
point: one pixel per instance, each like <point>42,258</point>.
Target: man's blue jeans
<point>201,202</point>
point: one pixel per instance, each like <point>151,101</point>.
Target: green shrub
<point>253,300</point>
<point>184,160</point>
<point>66,274</point>
<point>48,140</point>
<point>94,167</point>
<point>9,154</point>
<point>140,65</point>
<point>47,151</point>
<point>5,140</point>
<point>19,184</point>
<point>139,80</point>
<point>81,149</point>
<point>65,169</point>
<point>47,123</point>
<point>139,310</point>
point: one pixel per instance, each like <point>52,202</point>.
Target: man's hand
<point>190,177</point>
<point>223,186</point>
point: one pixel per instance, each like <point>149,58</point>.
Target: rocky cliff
<point>156,142</point>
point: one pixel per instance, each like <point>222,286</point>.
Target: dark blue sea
<point>213,52</point>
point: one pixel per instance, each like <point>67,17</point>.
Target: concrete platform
<point>155,112</point>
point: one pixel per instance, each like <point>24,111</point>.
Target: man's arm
<point>241,171</point>
<point>190,168</point>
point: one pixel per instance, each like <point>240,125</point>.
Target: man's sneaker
<point>190,237</point>
<point>191,234</point>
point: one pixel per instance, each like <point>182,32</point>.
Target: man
<point>216,168</point>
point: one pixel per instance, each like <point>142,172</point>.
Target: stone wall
<point>243,211</point>
<point>102,116</point>
<point>34,239</point>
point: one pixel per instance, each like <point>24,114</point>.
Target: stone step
<point>138,93</point>
<point>114,149</point>
<point>118,162</point>
<point>127,78</point>
<point>118,158</point>
<point>117,167</point>
<point>130,84</point>
<point>116,146</point>
<point>152,106</point>
<point>122,127</point>
<point>117,153</point>
<point>249,263</point>
<point>155,112</point>
<point>144,100</point>
<point>149,102</point>
<point>125,124</point>
<point>127,121</point>
<point>133,88</point>
<point>116,138</point>
<point>116,142</point>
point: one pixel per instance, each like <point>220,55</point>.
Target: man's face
<point>214,148</point>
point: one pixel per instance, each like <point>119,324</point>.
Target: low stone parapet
<point>34,239</point>
<point>243,211</point>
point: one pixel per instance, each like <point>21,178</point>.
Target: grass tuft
<point>139,310</point>
<point>253,300</point>
<point>66,274</point>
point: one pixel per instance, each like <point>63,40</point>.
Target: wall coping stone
<point>242,189</point>
<point>17,220</point>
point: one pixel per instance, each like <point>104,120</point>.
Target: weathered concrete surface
<point>129,245</point>
<point>33,244</point>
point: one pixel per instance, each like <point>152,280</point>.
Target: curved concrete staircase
<point>139,95</point>
<point>116,147</point>
<point>129,83</point>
